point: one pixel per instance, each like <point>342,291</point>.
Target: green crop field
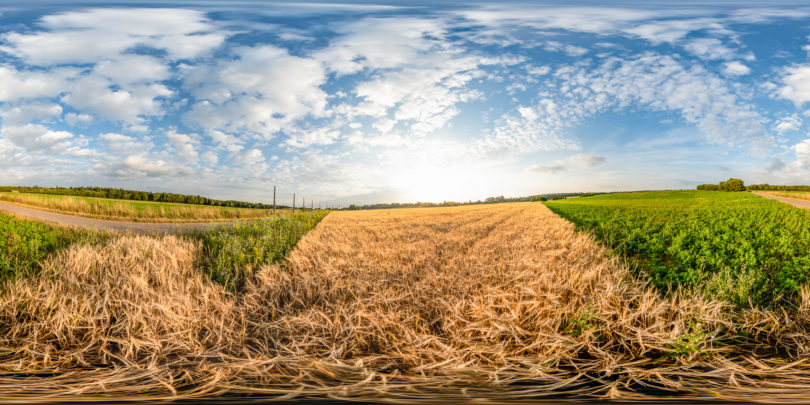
<point>733,246</point>
<point>143,211</point>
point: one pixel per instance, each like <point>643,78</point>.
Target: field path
<point>107,225</point>
<point>792,201</point>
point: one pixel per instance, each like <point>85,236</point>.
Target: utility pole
<point>293,203</point>
<point>303,204</point>
<point>274,200</point>
<point>311,205</point>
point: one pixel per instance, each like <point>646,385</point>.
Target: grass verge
<point>127,210</point>
<point>25,244</point>
<point>231,253</point>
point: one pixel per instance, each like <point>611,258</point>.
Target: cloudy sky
<point>402,101</point>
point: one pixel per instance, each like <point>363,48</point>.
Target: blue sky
<point>407,101</point>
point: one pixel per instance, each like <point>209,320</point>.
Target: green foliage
<point>690,343</point>
<point>731,246</point>
<point>731,185</point>
<point>24,244</point>
<point>583,322</point>
<point>231,253</point>
<point>768,187</point>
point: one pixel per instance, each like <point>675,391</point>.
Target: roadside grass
<point>231,253</point>
<point>736,247</point>
<point>127,210</point>
<point>25,244</point>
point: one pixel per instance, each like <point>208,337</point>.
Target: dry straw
<point>498,301</point>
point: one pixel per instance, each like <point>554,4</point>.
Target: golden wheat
<point>497,301</point>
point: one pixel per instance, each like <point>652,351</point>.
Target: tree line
<point>738,185</point>
<point>122,194</point>
<point>731,185</point>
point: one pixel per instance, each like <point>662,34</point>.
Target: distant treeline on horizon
<point>488,200</point>
<point>738,185</point>
<point>121,194</point>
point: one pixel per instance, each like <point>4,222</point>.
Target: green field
<point>731,246</point>
<point>128,210</point>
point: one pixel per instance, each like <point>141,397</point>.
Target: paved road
<point>107,225</point>
<point>791,201</point>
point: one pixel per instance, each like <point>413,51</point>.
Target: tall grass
<point>498,301</point>
<point>231,253</point>
<point>143,211</point>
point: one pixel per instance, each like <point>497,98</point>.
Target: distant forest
<point>121,194</point>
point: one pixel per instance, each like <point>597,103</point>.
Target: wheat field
<point>500,302</point>
<point>128,210</point>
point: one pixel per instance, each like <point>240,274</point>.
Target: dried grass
<point>499,302</point>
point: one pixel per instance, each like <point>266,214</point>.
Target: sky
<point>402,101</point>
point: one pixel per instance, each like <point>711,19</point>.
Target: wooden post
<point>274,200</point>
<point>303,204</point>
<point>293,203</point>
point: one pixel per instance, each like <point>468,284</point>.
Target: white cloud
<point>380,43</point>
<point>36,138</point>
<point>127,69</point>
<point>570,50</point>
<point>16,84</point>
<point>735,68</point>
<point>26,113</point>
<point>251,157</point>
<point>802,151</point>
<point>122,144</point>
<point>787,124</point>
<point>74,119</point>
<point>796,84</point>
<point>129,105</point>
<point>92,35</point>
<point>184,146</point>
<point>709,49</point>
<point>264,90</point>
<point>142,165</point>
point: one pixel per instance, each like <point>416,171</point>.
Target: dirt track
<point>791,201</point>
<point>106,225</point>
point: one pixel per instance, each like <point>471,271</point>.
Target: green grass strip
<point>231,253</point>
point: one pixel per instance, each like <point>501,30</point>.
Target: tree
<point>734,185</point>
